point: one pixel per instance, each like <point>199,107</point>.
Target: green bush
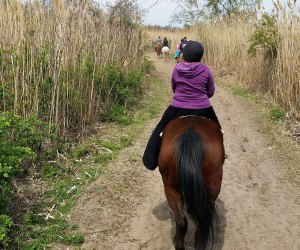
<point>147,66</point>
<point>20,141</point>
<point>5,226</point>
<point>123,87</point>
<point>133,81</point>
<point>117,113</point>
<point>12,154</point>
<point>265,35</point>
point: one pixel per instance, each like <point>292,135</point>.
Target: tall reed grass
<point>54,58</point>
<point>226,43</point>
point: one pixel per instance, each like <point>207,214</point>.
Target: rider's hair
<point>193,51</point>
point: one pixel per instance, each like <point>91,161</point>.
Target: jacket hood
<point>190,70</point>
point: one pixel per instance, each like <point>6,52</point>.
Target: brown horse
<point>191,165</point>
<point>158,50</point>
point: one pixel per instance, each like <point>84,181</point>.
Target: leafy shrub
<point>45,88</point>
<point>124,88</point>
<point>5,226</point>
<point>51,170</point>
<point>73,239</point>
<point>133,80</point>
<point>6,96</point>
<point>114,78</point>
<point>265,35</point>
<point>147,66</point>
<point>117,113</point>
<point>20,141</point>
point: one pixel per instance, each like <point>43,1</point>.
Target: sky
<point>160,13</point>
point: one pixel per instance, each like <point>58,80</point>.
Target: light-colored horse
<point>165,52</point>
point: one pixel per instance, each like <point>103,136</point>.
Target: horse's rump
<point>165,49</point>
<point>212,138</point>
<point>158,47</point>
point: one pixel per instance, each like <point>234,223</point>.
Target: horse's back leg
<point>176,204</point>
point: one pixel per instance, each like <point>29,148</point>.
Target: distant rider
<point>165,42</point>
<point>180,47</point>
<point>158,41</point>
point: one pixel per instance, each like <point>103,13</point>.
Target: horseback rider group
<point>180,46</point>
<point>162,43</point>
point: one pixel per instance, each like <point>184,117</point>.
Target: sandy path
<point>257,210</point>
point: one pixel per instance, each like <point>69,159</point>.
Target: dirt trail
<point>256,210</point>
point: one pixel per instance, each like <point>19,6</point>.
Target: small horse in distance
<point>191,165</point>
<point>158,50</point>
<point>165,52</point>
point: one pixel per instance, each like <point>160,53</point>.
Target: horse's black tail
<point>189,157</point>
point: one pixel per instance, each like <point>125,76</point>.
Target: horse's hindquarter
<point>213,150</point>
<point>158,48</point>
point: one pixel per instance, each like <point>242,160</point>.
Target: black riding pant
<point>150,157</point>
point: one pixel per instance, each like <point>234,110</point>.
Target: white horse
<point>165,51</point>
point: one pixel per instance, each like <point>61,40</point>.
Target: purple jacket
<point>193,85</point>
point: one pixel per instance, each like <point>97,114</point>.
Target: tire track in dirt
<point>256,210</point>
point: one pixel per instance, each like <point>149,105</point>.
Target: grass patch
<point>81,151</point>
<point>277,113</point>
<point>117,113</point>
<point>240,91</point>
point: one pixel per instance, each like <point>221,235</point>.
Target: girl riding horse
<point>193,86</point>
<point>158,47</point>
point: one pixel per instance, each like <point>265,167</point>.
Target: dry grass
<point>52,58</point>
<point>227,41</point>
